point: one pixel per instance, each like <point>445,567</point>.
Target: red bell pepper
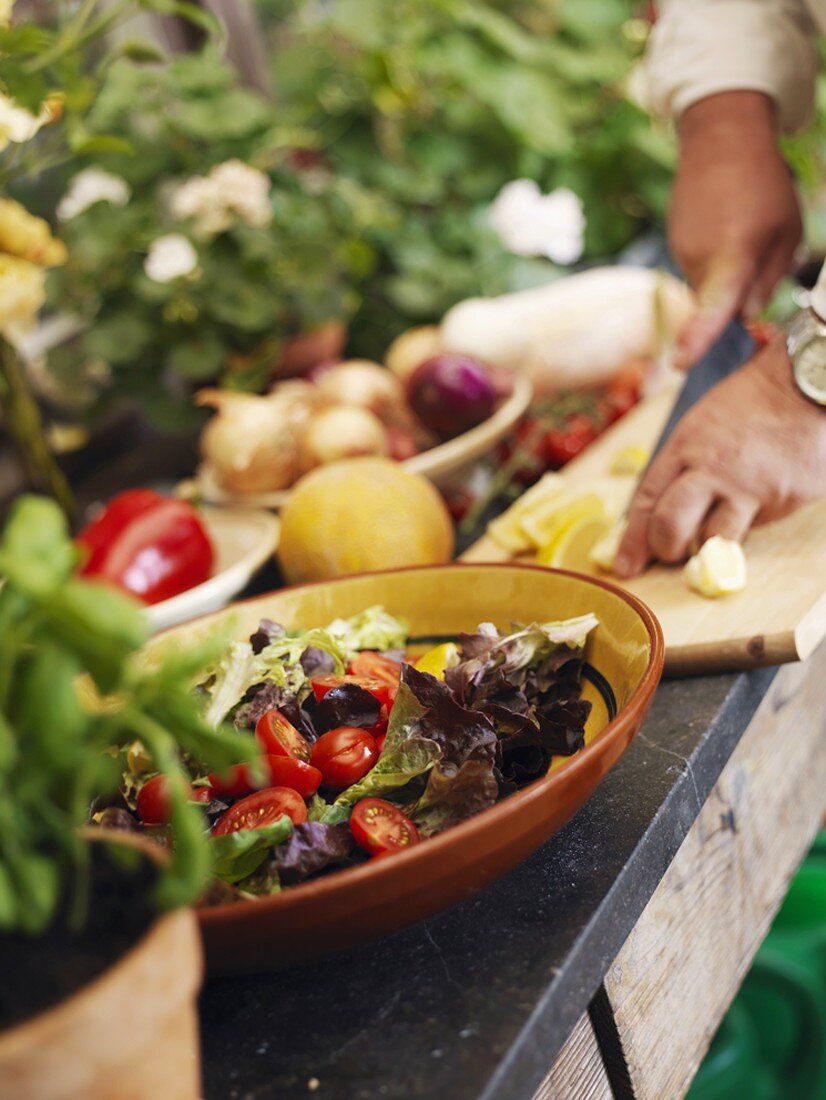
<point>149,545</point>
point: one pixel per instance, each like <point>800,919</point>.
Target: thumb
<point>720,296</point>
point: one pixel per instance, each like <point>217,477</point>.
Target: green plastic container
<point>772,1043</point>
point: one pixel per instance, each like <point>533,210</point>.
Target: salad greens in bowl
<point>409,736</point>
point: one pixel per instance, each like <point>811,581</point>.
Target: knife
<point>726,356</point>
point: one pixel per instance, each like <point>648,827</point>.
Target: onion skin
<point>451,393</point>
<point>363,384</point>
<point>253,444</point>
<point>342,432</point>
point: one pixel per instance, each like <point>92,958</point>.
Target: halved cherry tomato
<point>262,808</point>
<point>379,827</point>
<point>344,755</point>
<point>280,771</point>
<point>295,774</point>
<point>280,737</point>
<point>154,803</point>
<point>377,688</point>
<point>202,794</point>
<point>375,666</point>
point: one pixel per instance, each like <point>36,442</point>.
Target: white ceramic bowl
<point>243,539</point>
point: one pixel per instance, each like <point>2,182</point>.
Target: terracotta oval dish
<point>357,904</point>
<point>439,464</point>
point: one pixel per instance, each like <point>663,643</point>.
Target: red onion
<point>451,393</point>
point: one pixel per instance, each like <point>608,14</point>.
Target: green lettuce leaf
<point>374,628</point>
<point>237,855</point>
<point>406,754</point>
<point>240,669</point>
<point>454,794</point>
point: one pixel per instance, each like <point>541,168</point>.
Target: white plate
<point>439,464</point>
<point>243,540</point>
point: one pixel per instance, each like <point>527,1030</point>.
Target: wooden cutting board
<point>781,614</point>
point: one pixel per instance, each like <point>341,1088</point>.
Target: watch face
<point>810,369</point>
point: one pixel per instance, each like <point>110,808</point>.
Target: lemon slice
<point>438,659</point>
<point>572,546</point>
<point>630,460</point>
<point>718,569</point>
<point>604,551</point>
<point>544,527</point>
<point>507,528</point>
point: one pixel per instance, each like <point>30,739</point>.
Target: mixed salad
<point>358,753</point>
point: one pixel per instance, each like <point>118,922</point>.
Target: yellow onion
<point>253,444</point>
<point>363,384</point>
<point>411,348</point>
<point>343,432</point>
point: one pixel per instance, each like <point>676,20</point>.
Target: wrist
<point>751,116</point>
<point>775,366</point>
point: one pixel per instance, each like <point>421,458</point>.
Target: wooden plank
<point>678,971</point>
<point>781,615</point>
<point>578,1071</point>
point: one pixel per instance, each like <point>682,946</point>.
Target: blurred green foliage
<point>392,128</point>
<point>432,105</point>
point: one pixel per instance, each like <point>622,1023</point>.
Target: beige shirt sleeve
<point>701,47</point>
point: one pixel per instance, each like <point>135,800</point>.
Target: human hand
<point>735,221</point>
<point>751,450</point>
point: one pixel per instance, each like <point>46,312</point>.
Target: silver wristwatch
<point>806,342</point>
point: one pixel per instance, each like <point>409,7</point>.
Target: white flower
<point>170,257</point>
<point>88,187</point>
<point>532,224</point>
<point>231,190</point>
<point>17,124</point>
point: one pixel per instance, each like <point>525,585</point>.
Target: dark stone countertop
<point>475,1002</point>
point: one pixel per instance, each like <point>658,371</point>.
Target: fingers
<point>777,263</point>
<point>634,552</point>
<point>731,519</point>
<point>720,297</point>
<point>678,517</point>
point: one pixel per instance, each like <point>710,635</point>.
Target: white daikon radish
<point>575,332</point>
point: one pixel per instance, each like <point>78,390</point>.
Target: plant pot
<point>129,1034</point>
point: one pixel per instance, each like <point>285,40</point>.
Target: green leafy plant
<point>73,698</point>
<point>283,260</point>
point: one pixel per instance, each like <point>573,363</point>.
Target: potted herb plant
<point>101,962</point>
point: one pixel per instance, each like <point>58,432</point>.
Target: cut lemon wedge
<point>544,527</point>
<point>507,529</point>
<point>438,659</point>
<point>572,546</point>
<point>604,552</point>
<point>718,569</point>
